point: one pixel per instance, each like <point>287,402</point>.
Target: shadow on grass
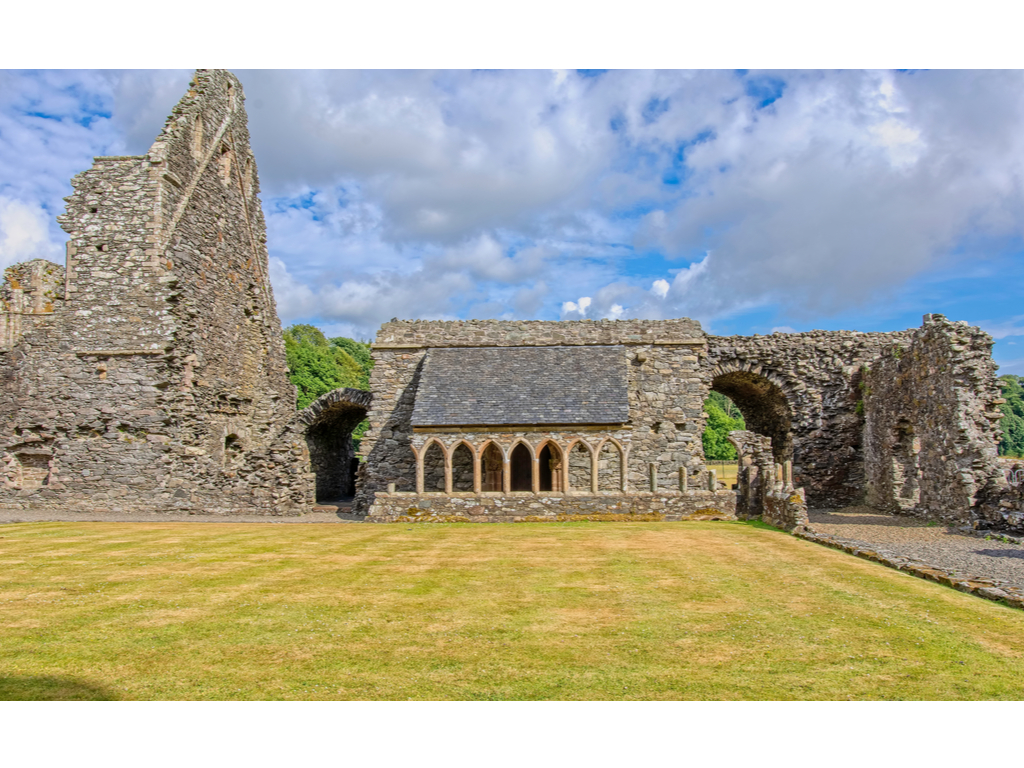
<point>48,688</point>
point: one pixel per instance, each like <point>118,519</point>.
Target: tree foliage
<point>318,364</point>
<point>723,418</point>
<point>1012,443</point>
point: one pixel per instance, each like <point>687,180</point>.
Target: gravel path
<point>936,545</point>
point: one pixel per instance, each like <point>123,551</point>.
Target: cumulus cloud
<point>660,288</point>
<point>513,194</point>
<point>24,233</point>
<point>575,310</point>
<point>1000,330</point>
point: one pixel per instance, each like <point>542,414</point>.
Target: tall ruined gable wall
<point>103,402</point>
<point>932,422</point>
<point>666,390</point>
<point>818,374</point>
<point>229,352</point>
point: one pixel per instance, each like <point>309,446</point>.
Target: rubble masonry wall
<point>158,379</point>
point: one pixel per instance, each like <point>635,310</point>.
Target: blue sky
<point>750,200</point>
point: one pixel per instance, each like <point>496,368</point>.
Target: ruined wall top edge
<point>435,333</point>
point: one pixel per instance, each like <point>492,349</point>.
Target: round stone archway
<point>764,406</point>
<point>329,421</point>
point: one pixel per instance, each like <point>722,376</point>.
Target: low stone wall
<point>786,509</point>
<point>1001,509</point>
<point>528,507</point>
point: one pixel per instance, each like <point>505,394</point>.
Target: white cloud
<point>441,194</point>
<point>1000,330</point>
<point>575,309</point>
<point>24,233</point>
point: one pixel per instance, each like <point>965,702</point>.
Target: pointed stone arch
<point>581,461</point>
<point>551,467</point>
<point>522,466</point>
<point>462,467</point>
<point>611,466</point>
<point>492,472</point>
<point>432,467</point>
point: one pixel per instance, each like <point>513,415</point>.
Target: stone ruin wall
<point>815,394</point>
<point>158,380</point>
<point>803,389</point>
<point>766,489</point>
<point>931,405</point>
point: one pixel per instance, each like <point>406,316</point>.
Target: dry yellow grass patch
<point>545,611</point>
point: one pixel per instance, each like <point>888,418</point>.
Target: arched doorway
<point>329,422</point>
<point>521,468</point>
<point>906,487</point>
<point>764,407</point>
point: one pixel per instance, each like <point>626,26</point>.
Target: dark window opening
<point>522,469</point>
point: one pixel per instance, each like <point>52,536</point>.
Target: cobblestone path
<point>936,545</point>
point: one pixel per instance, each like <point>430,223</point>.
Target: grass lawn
<point>726,473</point>
<point>530,611</point>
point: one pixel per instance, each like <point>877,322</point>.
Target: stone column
<point>652,471</point>
<point>477,472</point>
<point>448,472</point>
<point>593,471</point>
<point>419,470</point>
<point>712,480</point>
<point>535,479</point>
<point>684,480</point>
<point>506,474</point>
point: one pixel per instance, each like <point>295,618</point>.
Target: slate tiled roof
<point>522,385</point>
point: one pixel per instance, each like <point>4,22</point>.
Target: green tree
<point>1012,442</point>
<point>317,365</point>
<point>723,418</point>
<point>358,351</point>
